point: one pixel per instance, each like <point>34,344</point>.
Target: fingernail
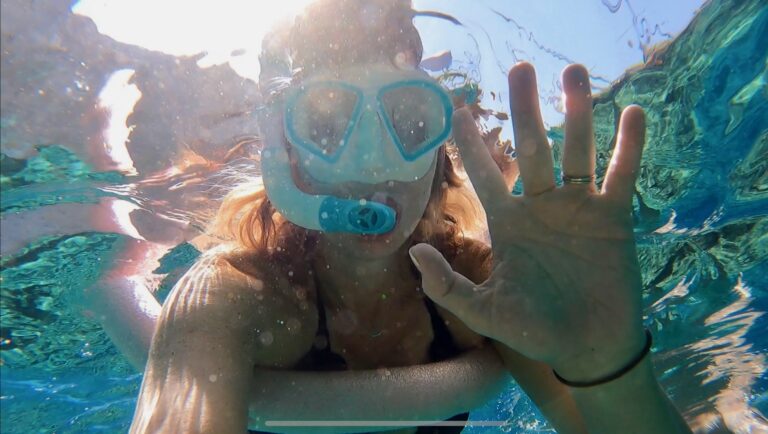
<point>413,258</point>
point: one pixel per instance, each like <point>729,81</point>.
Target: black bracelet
<point>631,365</point>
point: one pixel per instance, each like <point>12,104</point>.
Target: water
<point>701,208</point>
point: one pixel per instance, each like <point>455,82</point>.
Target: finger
<point>619,184</point>
<point>482,170</point>
<point>533,153</point>
<point>448,288</point>
<point>579,152</point>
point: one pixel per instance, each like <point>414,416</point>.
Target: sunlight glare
<point>183,28</point>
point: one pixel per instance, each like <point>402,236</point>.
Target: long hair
<point>332,34</point>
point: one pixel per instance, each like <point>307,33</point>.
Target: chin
<point>374,246</point>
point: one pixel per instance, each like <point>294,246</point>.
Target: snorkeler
<point>359,188</point>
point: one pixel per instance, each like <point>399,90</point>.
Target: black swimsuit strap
<point>443,345</point>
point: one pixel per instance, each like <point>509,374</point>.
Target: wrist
<point>604,362</point>
<point>635,400</point>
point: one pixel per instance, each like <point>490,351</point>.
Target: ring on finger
<point>567,179</point>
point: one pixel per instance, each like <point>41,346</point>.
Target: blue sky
<point>604,35</point>
<point>549,33</point>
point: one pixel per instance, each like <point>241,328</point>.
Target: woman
<point>359,188</point>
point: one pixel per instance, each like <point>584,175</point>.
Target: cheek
<point>416,200</point>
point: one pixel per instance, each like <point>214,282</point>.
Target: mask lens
<point>416,114</point>
<point>321,118</point>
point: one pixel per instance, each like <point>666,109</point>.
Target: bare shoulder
<point>231,292</point>
<point>222,318</point>
<point>473,260</point>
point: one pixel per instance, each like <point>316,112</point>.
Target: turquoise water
<point>702,232</point>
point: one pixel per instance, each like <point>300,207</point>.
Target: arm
<point>642,402</point>
<point>565,288</point>
<point>643,405</point>
<point>207,341</point>
<point>550,396</point>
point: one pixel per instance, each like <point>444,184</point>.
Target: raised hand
<point>565,287</point>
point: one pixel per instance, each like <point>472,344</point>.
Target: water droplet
<point>266,338</point>
<point>213,378</point>
<point>293,325</point>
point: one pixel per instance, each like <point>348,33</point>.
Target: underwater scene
<point>116,154</point>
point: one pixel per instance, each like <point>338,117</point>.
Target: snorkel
<point>278,118</point>
<point>320,212</point>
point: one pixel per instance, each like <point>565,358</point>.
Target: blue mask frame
<point>298,140</point>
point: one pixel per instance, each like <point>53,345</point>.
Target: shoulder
<point>231,292</point>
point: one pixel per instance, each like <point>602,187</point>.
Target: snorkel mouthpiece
<point>319,212</point>
<point>360,217</point>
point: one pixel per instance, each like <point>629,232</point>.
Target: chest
<point>373,326</point>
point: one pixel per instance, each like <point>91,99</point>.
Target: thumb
<point>448,288</point>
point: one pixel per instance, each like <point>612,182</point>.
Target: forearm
<point>633,403</point>
<point>552,398</point>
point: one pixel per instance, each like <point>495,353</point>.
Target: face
<point>371,165</point>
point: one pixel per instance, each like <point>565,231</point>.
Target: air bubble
<point>293,325</point>
<point>266,338</point>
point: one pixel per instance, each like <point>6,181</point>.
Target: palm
<point>565,283</point>
<point>563,268</point>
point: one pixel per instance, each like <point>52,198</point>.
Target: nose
<point>370,147</point>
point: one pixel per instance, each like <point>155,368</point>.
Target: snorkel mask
<point>338,129</point>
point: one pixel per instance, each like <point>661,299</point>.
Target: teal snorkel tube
<point>316,212</point>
